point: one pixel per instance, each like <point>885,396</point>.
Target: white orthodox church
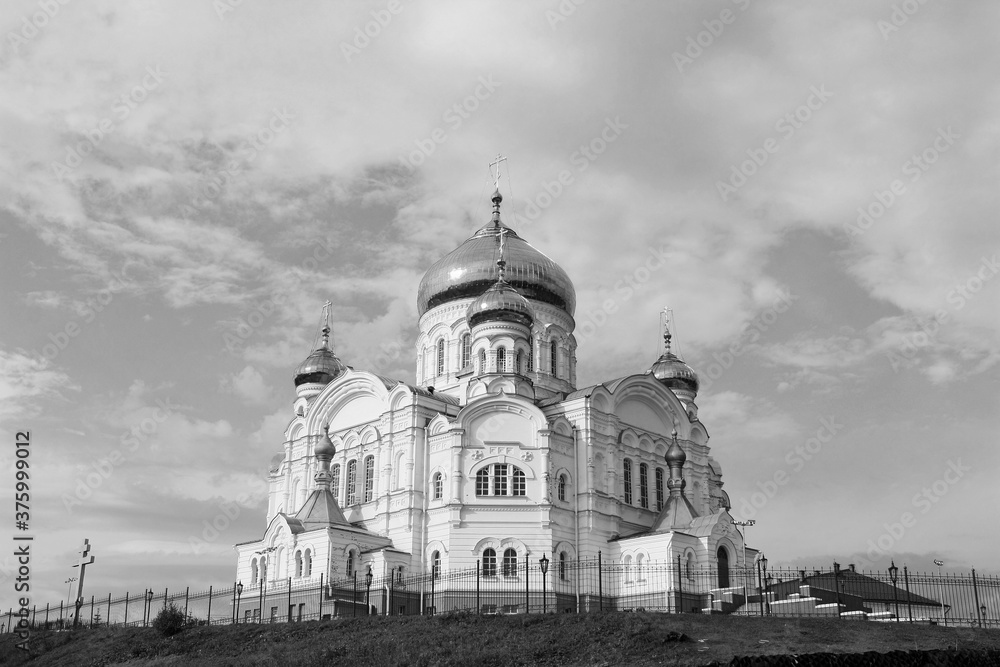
<point>493,453</point>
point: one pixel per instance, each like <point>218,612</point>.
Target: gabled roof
<point>860,585</point>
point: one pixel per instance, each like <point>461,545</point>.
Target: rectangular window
<point>352,483</point>
<point>644,486</point>
<point>659,489</point>
<point>335,480</point>
<point>369,478</point>
<point>466,350</point>
<point>500,479</point>
<point>627,480</point>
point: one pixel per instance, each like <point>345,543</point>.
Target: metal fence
<point>526,587</point>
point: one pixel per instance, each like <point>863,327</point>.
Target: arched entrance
<point>723,567</point>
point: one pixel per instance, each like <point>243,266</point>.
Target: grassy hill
<point>593,640</point>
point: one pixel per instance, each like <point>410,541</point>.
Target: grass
<point>639,639</point>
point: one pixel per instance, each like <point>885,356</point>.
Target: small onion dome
<point>324,449</point>
<point>500,303</point>
<point>322,366</point>
<point>675,455</point>
<point>674,373</point>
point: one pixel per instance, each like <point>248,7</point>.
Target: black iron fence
<point>584,586</point>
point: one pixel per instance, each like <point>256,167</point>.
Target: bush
<point>169,621</point>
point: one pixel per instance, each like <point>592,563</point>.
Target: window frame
<point>437,486</point>
<point>369,489</point>
<point>627,480</point>
<point>644,486</point>
<point>509,564</point>
<point>489,562</point>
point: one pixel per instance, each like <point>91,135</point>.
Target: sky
<point>811,187</point>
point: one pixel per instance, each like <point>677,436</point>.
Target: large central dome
<point>471,269</point>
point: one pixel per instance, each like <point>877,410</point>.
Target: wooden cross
<point>82,563</point>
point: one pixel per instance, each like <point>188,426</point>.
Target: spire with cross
<point>666,330</point>
<point>496,182</point>
<point>326,323</point>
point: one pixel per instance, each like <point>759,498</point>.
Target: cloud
<point>249,385</point>
<point>28,383</point>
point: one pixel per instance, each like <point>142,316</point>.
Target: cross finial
<point>666,330</point>
<point>500,158</point>
<point>326,323</point>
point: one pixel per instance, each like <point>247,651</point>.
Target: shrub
<point>169,621</point>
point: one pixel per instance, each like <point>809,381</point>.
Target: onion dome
<point>322,366</point>
<point>324,449</point>
<point>675,456</point>
<point>470,270</point>
<point>672,371</point>
<point>501,302</point>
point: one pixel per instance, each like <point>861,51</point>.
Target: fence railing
<point>583,586</point>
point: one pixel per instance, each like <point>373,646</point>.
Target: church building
<point>493,455</point>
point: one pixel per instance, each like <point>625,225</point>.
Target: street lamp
<point>69,589</point>
<point>939,564</point>
<point>263,576</point>
<point>368,589</point>
<point>836,583</point>
<point>239,596</point>
<point>760,585</point>
<point>743,534</point>
<point>982,610</point>
<point>543,562</point>
<point>149,604</point>
<point>893,575</point>
<point>763,565</point>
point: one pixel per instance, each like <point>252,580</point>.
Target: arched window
<point>690,565</point>
<point>509,563</point>
<point>308,567</point>
<point>440,357</point>
<point>562,487</point>
<point>482,361</point>
<point>644,486</point>
<point>518,363</point>
<point>436,564</point>
<point>298,563</point>
<point>253,572</point>
<point>352,483</point>
<point>554,359</point>
<point>627,569</point>
<point>263,569</point>
<point>659,489</point>
<point>531,356</point>
<point>489,563</point>
<point>335,480</point>
<point>639,561</point>
<point>438,484</point>
<point>466,350</point>
<point>627,480</point>
<point>369,478</point>
<point>562,565</point>
<point>351,563</point>
<point>500,479</point>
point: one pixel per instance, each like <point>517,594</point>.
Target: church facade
<point>493,455</point>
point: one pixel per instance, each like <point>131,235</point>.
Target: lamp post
<point>263,575</point>
<point>149,605</point>
<point>893,575</point>
<point>982,610</point>
<point>760,584</point>
<point>940,564</point>
<point>368,589</point>
<point>69,589</point>
<point>239,596</point>
<point>543,562</point>
<point>763,565</point>
<point>836,584</point>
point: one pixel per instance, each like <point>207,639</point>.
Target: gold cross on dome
<point>500,158</point>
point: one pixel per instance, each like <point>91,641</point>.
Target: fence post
<point>107,621</point>
<point>478,607</point>
<point>126,609</point>
<point>909,601</point>
<point>187,593</point>
<point>600,581</point>
<point>680,587</point>
<point>165,592</point>
<point>60,614</point>
<point>289,599</point>
<point>432,591</point>
<point>92,611</point>
<point>320,617</point>
<point>47,612</point>
<point>208,615</point>
<point>527,591</point>
<point>354,599</point>
<point>975,590</point>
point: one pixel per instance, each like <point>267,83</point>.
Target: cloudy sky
<point>811,187</point>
